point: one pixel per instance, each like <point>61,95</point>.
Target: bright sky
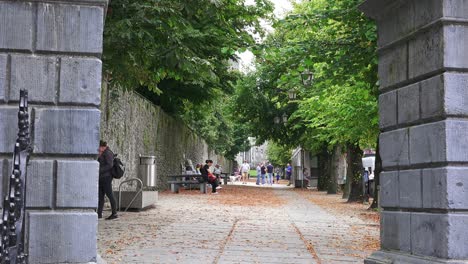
<point>281,7</point>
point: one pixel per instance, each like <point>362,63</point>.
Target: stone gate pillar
<point>53,49</point>
<point>423,72</point>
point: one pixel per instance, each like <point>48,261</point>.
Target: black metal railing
<point>13,216</point>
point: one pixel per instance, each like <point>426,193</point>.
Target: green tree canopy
<point>278,155</point>
<point>334,41</point>
<point>179,53</point>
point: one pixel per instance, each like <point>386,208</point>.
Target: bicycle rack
<point>136,195</point>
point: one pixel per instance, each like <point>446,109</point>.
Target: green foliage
<point>278,155</point>
<point>338,44</point>
<point>177,54</point>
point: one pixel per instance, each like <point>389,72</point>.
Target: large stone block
<point>456,141</point>
<point>8,129</point>
<point>432,97</point>
<point>439,235</point>
<point>424,13</point>
<point>456,97</point>
<point>410,186</point>
<point>427,143</point>
<point>456,54</point>
<point>3,76</point>
<point>388,109</point>
<point>66,131</point>
<point>16,25</point>
<point>389,189</point>
<point>37,74</point>
<point>395,232</point>
<point>394,148</point>
<point>406,18</point>
<point>393,66</point>
<point>77,183</point>
<point>426,53</point>
<point>445,188</point>
<point>408,104</point>
<point>429,234</point>
<point>69,28</point>
<point>455,8</point>
<point>40,184</point>
<point>396,24</point>
<point>80,81</point>
<point>62,237</point>
<point>458,236</point>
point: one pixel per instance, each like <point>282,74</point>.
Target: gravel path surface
<point>240,225</point>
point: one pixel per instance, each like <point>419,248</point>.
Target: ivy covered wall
<point>133,125</point>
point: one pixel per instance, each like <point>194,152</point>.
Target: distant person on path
<point>278,175</point>
<point>106,163</point>
<point>289,173</point>
<point>263,172</point>
<point>259,173</point>
<point>209,177</point>
<point>217,172</point>
<point>270,173</point>
<point>245,169</point>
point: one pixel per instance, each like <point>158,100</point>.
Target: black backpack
<point>118,170</point>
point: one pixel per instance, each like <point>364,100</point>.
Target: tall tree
<point>337,43</point>
<point>180,55</point>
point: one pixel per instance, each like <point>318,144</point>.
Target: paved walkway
<point>194,228</point>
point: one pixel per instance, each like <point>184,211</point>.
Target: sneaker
<point>215,193</point>
<point>219,187</point>
<point>112,217</point>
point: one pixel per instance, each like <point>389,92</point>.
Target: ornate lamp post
<point>277,120</point>
<point>292,94</point>
<point>307,78</point>
<point>285,119</point>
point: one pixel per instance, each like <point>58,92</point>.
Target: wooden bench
<point>178,180</point>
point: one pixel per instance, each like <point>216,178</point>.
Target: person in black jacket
<point>106,162</point>
<point>205,171</point>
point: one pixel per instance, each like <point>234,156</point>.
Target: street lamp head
<point>307,77</point>
<point>276,119</point>
<point>292,94</point>
<point>285,118</point>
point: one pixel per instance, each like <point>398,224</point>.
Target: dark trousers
<point>105,188</point>
<point>214,184</point>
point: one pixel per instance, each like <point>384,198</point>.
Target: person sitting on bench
<point>209,177</point>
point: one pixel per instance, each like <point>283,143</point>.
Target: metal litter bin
<point>147,171</point>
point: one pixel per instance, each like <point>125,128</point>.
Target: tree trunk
<point>335,160</point>
<point>355,176</point>
<point>347,185</point>
<point>377,171</point>
<point>324,167</point>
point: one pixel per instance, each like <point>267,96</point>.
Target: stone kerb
<point>423,108</point>
<point>53,49</point>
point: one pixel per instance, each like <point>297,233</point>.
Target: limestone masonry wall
<point>423,63</point>
<point>53,49</point>
<point>132,125</point>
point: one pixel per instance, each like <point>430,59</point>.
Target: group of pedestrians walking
<point>265,174</point>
